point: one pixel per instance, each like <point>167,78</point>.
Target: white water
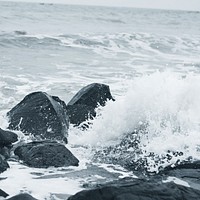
<point>149,58</point>
<point>167,102</point>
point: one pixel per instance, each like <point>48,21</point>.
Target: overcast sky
<point>165,4</point>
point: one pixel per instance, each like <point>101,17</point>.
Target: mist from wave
<point>163,108</point>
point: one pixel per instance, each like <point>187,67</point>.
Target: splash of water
<point>166,106</point>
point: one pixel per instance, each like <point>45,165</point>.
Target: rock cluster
<point>47,119</point>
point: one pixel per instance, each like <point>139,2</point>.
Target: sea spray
<point>166,106</point>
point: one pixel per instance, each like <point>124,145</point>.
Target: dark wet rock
<point>41,115</point>
<point>7,137</point>
<point>5,152</point>
<point>43,154</point>
<point>92,95</point>
<point>82,105</point>
<point>138,189</point>
<point>188,172</point>
<point>22,197</point>
<point>80,113</point>
<point>3,194</point>
<point>187,164</point>
<point>3,164</point>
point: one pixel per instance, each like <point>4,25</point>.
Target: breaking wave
<point>157,120</point>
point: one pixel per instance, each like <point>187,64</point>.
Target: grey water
<point>43,45</point>
<point>150,59</point>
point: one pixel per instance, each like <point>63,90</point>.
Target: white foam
<point>177,181</point>
<point>168,102</point>
<point>20,178</point>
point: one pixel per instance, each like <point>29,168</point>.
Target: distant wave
<point>118,21</point>
<point>122,43</point>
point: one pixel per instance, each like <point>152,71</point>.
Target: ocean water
<point>149,58</point>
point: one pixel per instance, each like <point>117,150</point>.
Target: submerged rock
<point>3,164</point>
<point>7,138</point>
<point>22,197</point>
<point>82,106</point>
<point>138,189</point>
<point>41,115</point>
<point>3,194</point>
<point>43,154</point>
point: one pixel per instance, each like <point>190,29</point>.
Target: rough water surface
<point>149,58</point>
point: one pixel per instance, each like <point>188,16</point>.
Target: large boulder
<point>3,164</point>
<point>41,115</point>
<point>138,189</point>
<point>43,154</point>
<point>82,106</point>
<point>7,138</point>
<point>23,196</point>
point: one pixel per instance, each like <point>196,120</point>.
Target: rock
<point>43,154</point>
<point>22,197</point>
<point>3,164</point>
<point>138,189</point>
<point>5,152</point>
<point>92,95</point>
<point>188,172</point>
<point>7,137</point>
<point>3,194</point>
<point>82,106</point>
<point>41,115</point>
<point>80,113</point>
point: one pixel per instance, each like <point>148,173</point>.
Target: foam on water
<point>165,104</point>
<point>42,51</point>
<point>20,178</point>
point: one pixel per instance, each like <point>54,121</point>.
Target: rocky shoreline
<point>46,118</point>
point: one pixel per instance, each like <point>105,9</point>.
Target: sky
<point>163,4</point>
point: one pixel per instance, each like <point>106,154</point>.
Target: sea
<point>150,59</point>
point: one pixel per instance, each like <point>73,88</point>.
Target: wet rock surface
<point>92,95</point>
<point>3,164</point>
<point>3,194</point>
<point>22,197</point>
<point>43,154</point>
<point>7,138</point>
<point>41,115</point>
<point>82,106</point>
<point>138,189</point>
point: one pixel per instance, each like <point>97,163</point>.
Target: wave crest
<point>157,123</point>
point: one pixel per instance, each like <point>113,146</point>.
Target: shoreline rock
<point>7,138</point>
<point>82,106</point>
<point>41,115</point>
<point>3,164</point>
<point>138,189</point>
<point>43,154</point>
